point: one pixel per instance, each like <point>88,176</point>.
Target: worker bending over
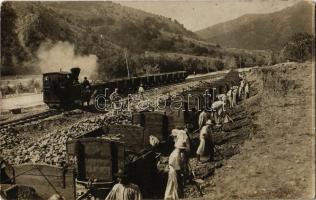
<point>218,108</point>
<point>206,143</point>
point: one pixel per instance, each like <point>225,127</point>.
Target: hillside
<point>261,31</point>
<point>102,29</point>
<point>102,37</point>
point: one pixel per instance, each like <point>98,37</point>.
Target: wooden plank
<point>29,175</point>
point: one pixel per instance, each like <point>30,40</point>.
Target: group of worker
<point>236,93</point>
<point>178,162</point>
<point>230,99</point>
<point>114,96</point>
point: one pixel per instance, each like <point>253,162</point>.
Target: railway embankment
<point>277,159</point>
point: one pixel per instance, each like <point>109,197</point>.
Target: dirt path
<point>278,159</point>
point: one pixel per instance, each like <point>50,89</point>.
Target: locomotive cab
<point>60,89</point>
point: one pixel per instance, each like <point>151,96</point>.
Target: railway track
<point>29,119</point>
<point>50,113</point>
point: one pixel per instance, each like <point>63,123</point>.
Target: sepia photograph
<point>159,99</point>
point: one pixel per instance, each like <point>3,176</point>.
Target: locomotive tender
<point>62,89</point>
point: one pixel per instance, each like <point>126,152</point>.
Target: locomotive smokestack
<point>75,73</point>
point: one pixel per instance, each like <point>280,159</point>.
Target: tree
<point>198,50</point>
<point>299,47</point>
<point>219,65</point>
<point>230,62</point>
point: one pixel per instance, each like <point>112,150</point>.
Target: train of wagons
<point>62,89</point>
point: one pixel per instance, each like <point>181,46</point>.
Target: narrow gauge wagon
<point>100,153</point>
<point>62,89</point>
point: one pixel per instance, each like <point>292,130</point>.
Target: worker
<point>177,162</point>
<point>229,97</point>
<point>222,97</point>
<point>205,147</point>
<point>114,97</point>
<point>181,135</point>
<point>153,141</point>
<point>203,117</point>
<point>85,82</point>
<point>86,95</point>
<point>242,83</point>
<point>56,197</point>
<point>141,91</point>
<point>234,96</point>
<point>86,92</point>
<point>226,118</point>
<point>247,90</point>
<point>218,107</point>
<point>169,100</point>
<point>124,189</point>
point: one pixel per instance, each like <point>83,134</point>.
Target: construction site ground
<point>268,151</point>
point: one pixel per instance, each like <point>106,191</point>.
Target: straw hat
<point>120,173</point>
<point>174,132</point>
<point>209,122</point>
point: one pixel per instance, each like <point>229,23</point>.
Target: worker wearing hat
<point>124,189</point>
<point>181,135</point>
<point>177,162</point>
<point>205,147</point>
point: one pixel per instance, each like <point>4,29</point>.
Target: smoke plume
<point>61,55</point>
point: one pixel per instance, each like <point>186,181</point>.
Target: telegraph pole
<point>125,53</point>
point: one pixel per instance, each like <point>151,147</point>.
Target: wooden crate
<point>132,135</point>
<point>156,124</point>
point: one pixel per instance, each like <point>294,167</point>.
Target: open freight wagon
<point>100,153</point>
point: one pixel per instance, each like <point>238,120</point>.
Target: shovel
<point>197,181</point>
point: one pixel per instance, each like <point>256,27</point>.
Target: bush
<point>219,64</point>
<point>299,47</point>
<point>200,50</point>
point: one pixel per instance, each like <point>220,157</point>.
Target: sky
<point>196,15</point>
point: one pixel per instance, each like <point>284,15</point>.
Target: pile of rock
<point>16,148</point>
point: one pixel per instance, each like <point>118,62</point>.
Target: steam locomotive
<point>62,89</point>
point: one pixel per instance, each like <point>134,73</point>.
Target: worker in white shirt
<point>141,91</point>
<point>206,144</point>
<point>177,162</point>
<point>124,189</point>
